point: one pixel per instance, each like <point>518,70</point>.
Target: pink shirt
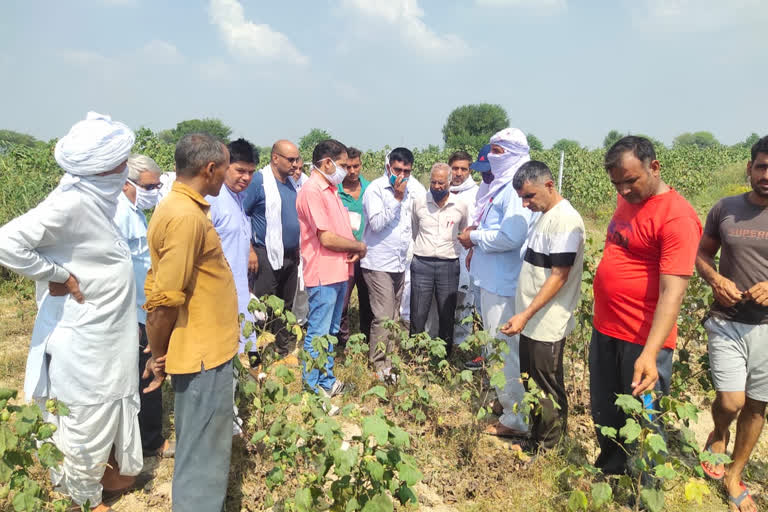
<point>320,209</point>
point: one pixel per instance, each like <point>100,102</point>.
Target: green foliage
<point>8,137</point>
<point>751,140</point>
<point>698,139</point>
<point>611,138</point>
<point>308,142</point>
<point>25,446</point>
<point>534,142</point>
<point>471,126</point>
<point>214,127</point>
<point>567,145</point>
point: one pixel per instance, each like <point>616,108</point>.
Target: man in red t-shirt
<point>649,255</point>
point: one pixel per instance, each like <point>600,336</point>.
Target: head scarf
<point>94,145</point>
<point>503,167</point>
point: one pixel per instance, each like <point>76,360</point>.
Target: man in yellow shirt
<point>192,323</point>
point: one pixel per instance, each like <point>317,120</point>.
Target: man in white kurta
<point>83,347</point>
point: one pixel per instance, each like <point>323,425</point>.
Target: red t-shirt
<point>658,236</point>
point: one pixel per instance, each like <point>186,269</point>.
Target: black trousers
<point>438,278</point>
<point>364,307</point>
<point>543,362</point>
<point>611,367</point>
<point>151,412</point>
<point>282,283</point>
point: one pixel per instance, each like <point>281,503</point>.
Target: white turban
<point>95,145</point>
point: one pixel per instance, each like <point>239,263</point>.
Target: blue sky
<point>377,72</point>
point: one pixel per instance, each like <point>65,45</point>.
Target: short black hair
<point>196,150</point>
<point>761,146</point>
<point>459,155</point>
<point>641,147</point>
<point>532,171</point>
<point>241,150</point>
<point>401,155</point>
<point>353,153</point>
<point>329,148</point>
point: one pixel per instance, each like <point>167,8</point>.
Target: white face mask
<point>108,187</point>
<point>337,177</point>
<point>145,199</point>
<point>502,162</point>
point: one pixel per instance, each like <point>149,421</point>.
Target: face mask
<point>438,195</point>
<point>338,175</point>
<point>393,179</point>
<point>487,177</point>
<point>502,162</point>
<point>108,187</point>
<point>145,199</point>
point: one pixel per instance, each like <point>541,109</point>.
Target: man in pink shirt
<point>328,251</point>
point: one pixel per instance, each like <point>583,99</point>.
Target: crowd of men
<point>171,298</point>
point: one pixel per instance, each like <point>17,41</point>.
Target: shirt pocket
<point>448,227</point>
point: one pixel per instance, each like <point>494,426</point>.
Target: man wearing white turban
<point>86,323</point>
<point>498,240</point>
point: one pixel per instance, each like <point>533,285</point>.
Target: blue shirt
<point>133,225</point>
<point>388,225</point>
<point>234,229</point>
<point>254,205</point>
<point>500,243</point>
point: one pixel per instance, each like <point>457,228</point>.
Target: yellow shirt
<point>189,271</point>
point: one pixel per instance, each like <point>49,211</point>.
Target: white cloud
<point>405,16</point>
<point>699,15</point>
<point>538,6</point>
<point>248,39</point>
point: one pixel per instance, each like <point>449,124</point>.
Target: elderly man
<point>328,249</point>
<point>270,202</point>
<point>650,250</point>
<point>192,323</point>
<point>438,217</point>
<point>351,192</point>
<point>86,319</point>
<point>387,204</point>
<point>141,192</point>
<point>499,242</point>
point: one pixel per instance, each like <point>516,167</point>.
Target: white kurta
<point>82,354</point>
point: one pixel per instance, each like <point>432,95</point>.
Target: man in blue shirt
<point>498,243</point>
<point>141,192</point>
<point>270,203</point>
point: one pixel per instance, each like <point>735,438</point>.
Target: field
<point>418,443</point>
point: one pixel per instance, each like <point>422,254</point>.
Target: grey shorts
<point>738,357</point>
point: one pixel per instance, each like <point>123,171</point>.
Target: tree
<point>748,142</point>
<point>698,139</point>
<point>656,142</point>
<point>308,142</point>
<point>611,139</point>
<point>566,145</point>
<point>534,143</point>
<point>471,126</point>
<point>210,126</point>
<point>21,139</point>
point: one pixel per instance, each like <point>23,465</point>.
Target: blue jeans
<point>325,305</point>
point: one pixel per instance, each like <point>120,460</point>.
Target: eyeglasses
<point>290,160</point>
<point>149,187</point>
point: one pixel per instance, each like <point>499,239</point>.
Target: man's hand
<point>725,291</point>
<point>154,367</point>
<point>464,239</point>
<point>515,325</point>
<point>468,260</point>
<point>399,187</point>
<point>758,293</point>
<point>253,261</point>
<point>70,286</point>
<point>353,257</point>
<point>646,375</point>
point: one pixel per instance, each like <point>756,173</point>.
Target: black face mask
<point>487,177</point>
<point>438,195</point>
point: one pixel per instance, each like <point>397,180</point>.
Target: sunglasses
<point>149,187</point>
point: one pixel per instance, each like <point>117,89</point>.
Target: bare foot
<point>101,508</point>
<point>497,429</point>
<point>739,499</point>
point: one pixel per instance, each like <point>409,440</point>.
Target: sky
<point>388,72</point>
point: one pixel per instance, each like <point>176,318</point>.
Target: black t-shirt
<point>742,229</point>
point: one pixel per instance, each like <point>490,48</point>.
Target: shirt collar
<point>127,201</point>
<point>185,190</point>
<point>319,180</point>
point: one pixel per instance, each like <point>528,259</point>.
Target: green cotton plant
<point>24,443</point>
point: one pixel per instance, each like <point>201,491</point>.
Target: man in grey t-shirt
<point>738,322</point>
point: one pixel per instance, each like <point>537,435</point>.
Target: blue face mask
<point>393,179</point>
<point>487,177</point>
<point>438,195</point>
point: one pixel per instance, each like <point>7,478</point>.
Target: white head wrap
<point>516,153</point>
<point>94,145</point>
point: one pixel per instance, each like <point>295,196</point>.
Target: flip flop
<point>714,475</point>
<point>738,500</point>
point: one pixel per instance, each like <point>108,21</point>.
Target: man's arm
<point>549,289</point>
<point>725,291</point>
<point>510,235</point>
<point>336,243</point>
<point>380,213</point>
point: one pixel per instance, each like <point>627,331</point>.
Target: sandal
<point>738,500</point>
<point>499,430</point>
<point>709,467</point>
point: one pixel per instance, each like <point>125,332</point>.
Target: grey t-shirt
<point>742,229</point>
